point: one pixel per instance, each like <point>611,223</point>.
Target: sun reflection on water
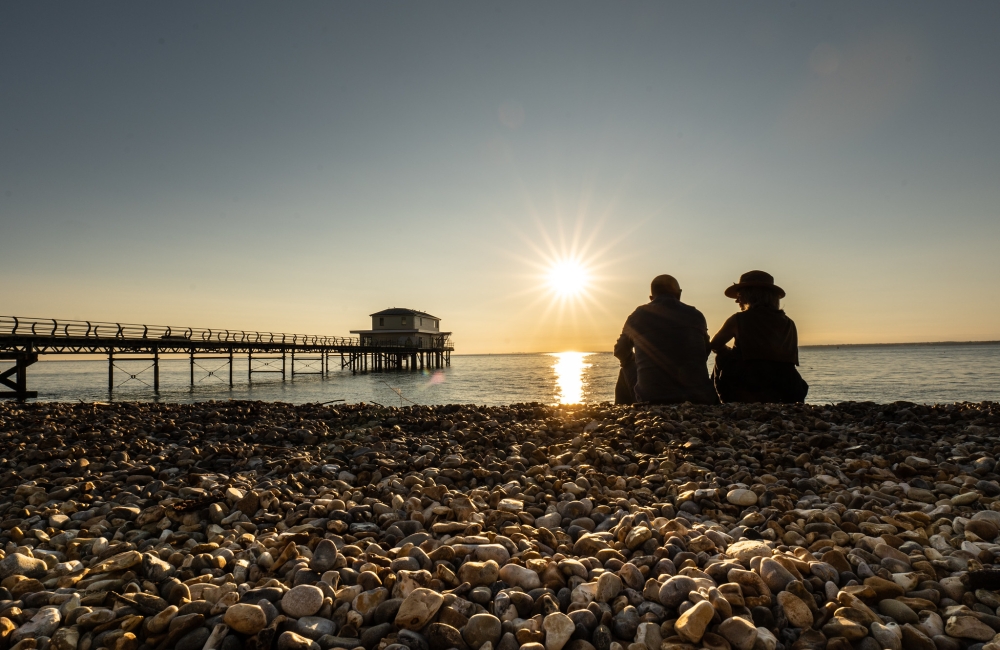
<point>569,367</point>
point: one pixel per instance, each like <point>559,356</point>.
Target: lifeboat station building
<point>410,337</point>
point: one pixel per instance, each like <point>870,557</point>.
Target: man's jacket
<point>668,342</point>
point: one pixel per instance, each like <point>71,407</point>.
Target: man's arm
<point>625,347</point>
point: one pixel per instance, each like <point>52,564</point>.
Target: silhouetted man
<point>664,350</point>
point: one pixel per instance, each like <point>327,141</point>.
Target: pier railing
<point>53,328</point>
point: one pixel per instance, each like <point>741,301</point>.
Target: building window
<point>381,322</point>
<point>404,320</point>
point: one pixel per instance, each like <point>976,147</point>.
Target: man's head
<point>664,285</point>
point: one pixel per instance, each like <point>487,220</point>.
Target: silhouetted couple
<point>664,348</point>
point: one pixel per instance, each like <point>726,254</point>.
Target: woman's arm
<point>726,334</point>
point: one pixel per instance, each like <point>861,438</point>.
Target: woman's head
<point>756,288</point>
<point>749,297</point>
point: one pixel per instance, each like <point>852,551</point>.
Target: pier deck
<point>22,340</point>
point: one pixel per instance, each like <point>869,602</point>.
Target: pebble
<point>245,618</point>
<point>741,497</point>
<point>795,610</point>
<point>482,628</point>
<point>693,622</point>
<point>223,525</point>
<point>418,608</point>
<point>608,586</point>
<point>739,632</point>
<point>558,629</point>
<point>314,627</point>
<point>518,576</point>
<point>889,636</point>
<point>302,600</point>
<point>293,641</point>
<point>897,610</point>
<point>18,564</point>
<point>968,627</point>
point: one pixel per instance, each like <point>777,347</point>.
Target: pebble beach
<point>227,525</point>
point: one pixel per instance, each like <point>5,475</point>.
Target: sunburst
<point>568,272</point>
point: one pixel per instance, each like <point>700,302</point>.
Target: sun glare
<point>568,278</point>
<point>569,368</point>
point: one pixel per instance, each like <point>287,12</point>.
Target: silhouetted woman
<point>760,367</point>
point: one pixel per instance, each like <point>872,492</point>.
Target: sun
<point>568,278</point>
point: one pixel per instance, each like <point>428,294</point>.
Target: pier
<point>22,340</point>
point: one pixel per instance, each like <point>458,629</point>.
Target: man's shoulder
<point>671,310</point>
<point>641,309</point>
<point>691,310</point>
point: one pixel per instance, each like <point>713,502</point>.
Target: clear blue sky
<point>297,166</point>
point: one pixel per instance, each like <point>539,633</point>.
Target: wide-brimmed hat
<point>755,279</point>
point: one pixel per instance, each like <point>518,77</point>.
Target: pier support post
<point>19,386</point>
<point>282,365</point>
<point>111,371</point>
<point>192,368</point>
<point>156,370</point>
<point>250,367</point>
<point>230,367</point>
<point>293,364</point>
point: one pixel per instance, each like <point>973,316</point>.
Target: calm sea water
<point>916,373</point>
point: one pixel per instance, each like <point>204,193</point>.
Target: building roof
<point>402,311</point>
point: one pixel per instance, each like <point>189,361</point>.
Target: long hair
<point>751,296</point>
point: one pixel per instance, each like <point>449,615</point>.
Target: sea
<point>921,373</point>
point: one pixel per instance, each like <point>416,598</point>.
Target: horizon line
<point>53,357</point>
<point>811,345</point>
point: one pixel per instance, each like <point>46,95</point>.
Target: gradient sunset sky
<point>297,166</point>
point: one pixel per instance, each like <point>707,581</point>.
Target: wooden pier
<point>23,339</point>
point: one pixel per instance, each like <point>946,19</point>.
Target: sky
<point>294,167</point>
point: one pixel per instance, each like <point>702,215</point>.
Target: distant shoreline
<point>882,345</point>
<point>816,345</point>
